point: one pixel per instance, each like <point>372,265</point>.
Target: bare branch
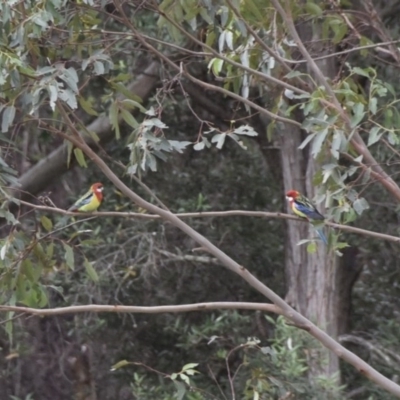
<point>98,308</point>
<point>212,214</point>
<point>377,46</point>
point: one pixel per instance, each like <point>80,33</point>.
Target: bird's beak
<point>289,198</point>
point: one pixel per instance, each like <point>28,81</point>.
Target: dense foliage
<point>187,102</point>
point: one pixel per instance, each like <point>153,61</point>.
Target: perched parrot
<point>302,207</point>
<point>91,200</point>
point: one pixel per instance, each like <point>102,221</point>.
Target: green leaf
<point>373,104</point>
<point>3,251</point>
<point>8,118</point>
<point>70,77</point>
<point>204,14</point>
<point>98,68</point>
<point>9,327</point>
<point>50,250</point>
<point>307,140</point>
<point>70,146</point>
<point>120,364</point>
<point>93,135</point>
<point>86,106</point>
<point>393,139</point>
<point>359,113</point>
<point>199,146</point>
<point>10,218</point>
<point>189,366</point>
<point>119,87</point>
<point>311,247</point>
<point>318,142</point>
<point>34,296</point>
<point>216,65</point>
<point>185,379</point>
<point>91,272</point>
<point>245,130</point>
<point>374,135</point>
<point>33,273</point>
<point>295,74</point>
<point>337,140</point>
<point>154,122</point>
<point>46,223</point>
<point>313,9</point>
<point>251,6</point>
<point>340,32</point>
<point>360,205</point>
<point>132,104</point>
<point>180,389</point>
<point>219,139</point>
<point>114,119</point>
<point>360,71</point>
<point>80,157</point>
<point>69,256</point>
<point>53,93</point>
<point>129,118</point>
<point>69,97</point>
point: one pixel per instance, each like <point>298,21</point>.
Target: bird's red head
<point>292,195</point>
<point>97,188</point>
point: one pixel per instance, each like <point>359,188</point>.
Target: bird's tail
<point>321,234</point>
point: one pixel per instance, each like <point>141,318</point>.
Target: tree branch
<point>98,308</point>
<point>212,214</point>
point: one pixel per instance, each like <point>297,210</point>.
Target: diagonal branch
<point>299,320</point>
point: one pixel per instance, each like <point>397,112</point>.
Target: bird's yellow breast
<point>297,212</point>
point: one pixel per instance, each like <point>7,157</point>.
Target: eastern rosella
<point>91,200</point>
<point>303,208</point>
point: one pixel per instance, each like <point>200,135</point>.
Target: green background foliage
<point>206,146</point>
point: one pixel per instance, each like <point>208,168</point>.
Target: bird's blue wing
<point>82,201</point>
<point>309,210</point>
<point>85,200</point>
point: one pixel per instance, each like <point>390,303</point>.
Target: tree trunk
<point>311,277</point>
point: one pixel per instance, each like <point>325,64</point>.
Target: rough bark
<point>312,277</point>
